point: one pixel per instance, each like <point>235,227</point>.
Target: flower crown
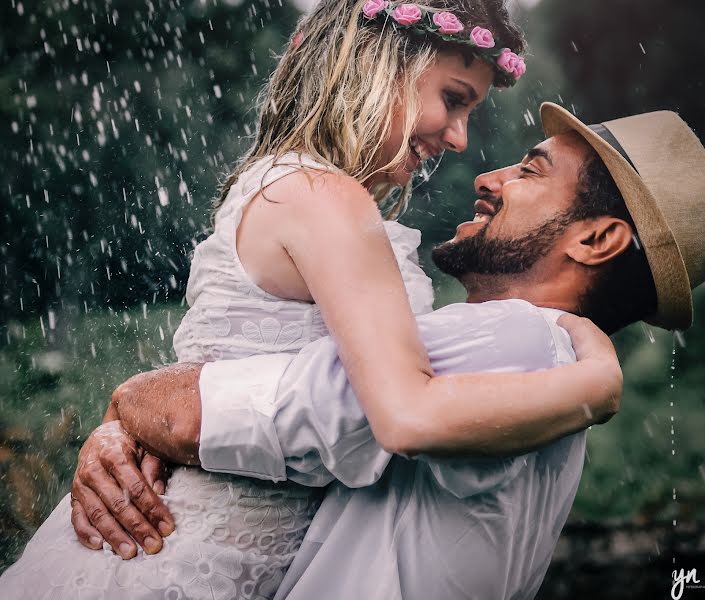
<point>509,66</point>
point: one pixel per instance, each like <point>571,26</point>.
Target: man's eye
<point>527,171</point>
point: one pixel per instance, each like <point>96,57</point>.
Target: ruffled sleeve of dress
<point>405,242</point>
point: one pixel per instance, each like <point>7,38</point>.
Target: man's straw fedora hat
<point>659,166</point>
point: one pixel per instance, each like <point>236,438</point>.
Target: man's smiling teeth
<point>481,218</point>
<point>419,149</point>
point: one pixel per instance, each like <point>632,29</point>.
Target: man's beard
<point>479,254</point>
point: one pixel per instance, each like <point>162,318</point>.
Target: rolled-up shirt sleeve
<point>237,408</point>
<point>282,416</point>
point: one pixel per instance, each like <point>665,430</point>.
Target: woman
<point>365,93</point>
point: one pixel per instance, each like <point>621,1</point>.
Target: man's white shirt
<point>391,527</point>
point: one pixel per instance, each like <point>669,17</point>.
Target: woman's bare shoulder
<point>321,192</point>
<point>301,211</point>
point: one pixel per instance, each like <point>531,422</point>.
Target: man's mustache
<point>495,201</point>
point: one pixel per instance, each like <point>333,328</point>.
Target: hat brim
<point>673,292</point>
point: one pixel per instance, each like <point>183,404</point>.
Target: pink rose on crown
<point>520,68</point>
<point>507,60</point>
<point>406,14</point>
<point>482,38</point>
<point>447,23</point>
<point>372,7</point>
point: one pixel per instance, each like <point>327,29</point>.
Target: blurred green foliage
<point>55,384</point>
<point>117,120</point>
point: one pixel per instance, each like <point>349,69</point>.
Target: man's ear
<point>600,240</point>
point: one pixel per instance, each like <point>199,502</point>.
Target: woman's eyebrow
<point>473,96</point>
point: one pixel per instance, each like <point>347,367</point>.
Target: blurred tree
<point>622,57</point>
<point>117,119</point>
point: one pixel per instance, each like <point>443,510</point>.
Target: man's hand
<point>114,487</point>
<point>112,499</point>
<point>156,472</point>
<point>162,410</point>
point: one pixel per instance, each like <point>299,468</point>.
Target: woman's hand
<point>112,496</point>
<point>589,341</point>
<point>594,350</point>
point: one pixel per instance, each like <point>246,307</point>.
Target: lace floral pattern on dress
<point>235,538</point>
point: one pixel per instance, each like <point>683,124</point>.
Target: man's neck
<point>557,293</point>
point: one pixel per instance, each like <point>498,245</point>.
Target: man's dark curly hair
<point>623,290</point>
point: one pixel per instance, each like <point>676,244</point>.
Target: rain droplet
<point>680,338</point>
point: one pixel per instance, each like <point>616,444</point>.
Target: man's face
<point>521,212</point>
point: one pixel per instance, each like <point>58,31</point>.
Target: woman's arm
<point>333,232</point>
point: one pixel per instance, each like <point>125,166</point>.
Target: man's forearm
<point>162,411</point>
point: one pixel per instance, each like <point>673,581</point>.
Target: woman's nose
<point>455,137</point>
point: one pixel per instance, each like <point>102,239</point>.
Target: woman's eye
<point>454,100</point>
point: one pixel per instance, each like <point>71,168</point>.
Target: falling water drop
<point>648,332</point>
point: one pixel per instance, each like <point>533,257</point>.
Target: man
<point>553,232</point>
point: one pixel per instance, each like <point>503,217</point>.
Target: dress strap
<point>227,220</point>
<point>262,174</point>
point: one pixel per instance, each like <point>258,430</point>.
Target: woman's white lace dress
<point>235,537</point>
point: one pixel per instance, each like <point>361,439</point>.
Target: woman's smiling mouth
<point>421,150</point>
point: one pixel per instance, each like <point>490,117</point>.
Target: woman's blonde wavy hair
<point>333,95</point>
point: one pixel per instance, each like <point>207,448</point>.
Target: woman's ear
<point>600,240</point>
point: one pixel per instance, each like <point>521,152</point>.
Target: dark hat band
<point>607,135</point>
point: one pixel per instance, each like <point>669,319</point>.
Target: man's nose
<point>492,182</point>
<point>455,136</point>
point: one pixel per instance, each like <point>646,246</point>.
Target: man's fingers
<point>102,521</point>
<point>150,467</point>
<point>88,535</point>
<point>156,472</point>
<point>117,505</point>
<point>136,492</point>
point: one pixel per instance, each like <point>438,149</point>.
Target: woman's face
<point>448,92</point>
